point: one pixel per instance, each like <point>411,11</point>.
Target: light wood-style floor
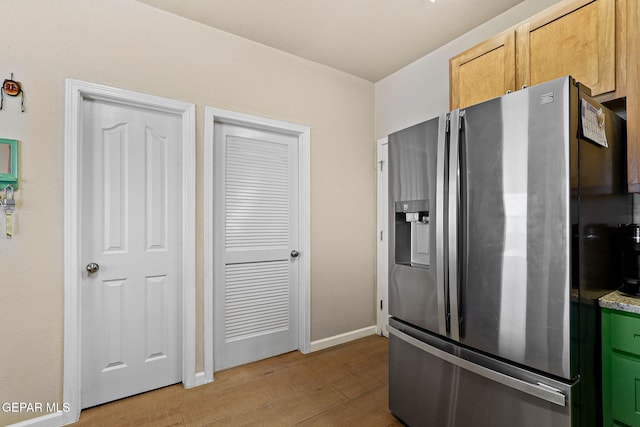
<point>346,385</point>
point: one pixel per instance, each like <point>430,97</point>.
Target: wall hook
<point>8,194</point>
<point>11,88</point>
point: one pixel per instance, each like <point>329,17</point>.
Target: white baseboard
<point>342,338</point>
<point>201,379</point>
<point>54,419</point>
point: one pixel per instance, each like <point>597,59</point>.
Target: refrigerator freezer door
<point>416,261</point>
<point>435,383</point>
<point>514,228</point>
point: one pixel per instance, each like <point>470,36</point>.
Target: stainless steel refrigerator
<point>503,220</point>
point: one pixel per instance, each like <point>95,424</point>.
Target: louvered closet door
<point>255,303</point>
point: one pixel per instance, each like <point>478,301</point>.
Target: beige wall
<point>129,45</point>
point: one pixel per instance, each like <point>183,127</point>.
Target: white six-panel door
<point>131,228</point>
<point>256,295</point>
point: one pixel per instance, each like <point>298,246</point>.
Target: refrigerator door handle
<point>538,390</point>
<point>441,274</point>
<point>452,221</point>
<point>462,221</point>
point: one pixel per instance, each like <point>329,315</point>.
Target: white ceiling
<point>367,38</point>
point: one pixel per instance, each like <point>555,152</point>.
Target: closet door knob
<point>92,267</point>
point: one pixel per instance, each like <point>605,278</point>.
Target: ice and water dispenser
<point>412,233</point>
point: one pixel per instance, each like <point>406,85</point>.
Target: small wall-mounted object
<point>11,88</point>
<point>9,203</point>
<point>8,163</point>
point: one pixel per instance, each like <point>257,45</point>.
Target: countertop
<point>617,301</point>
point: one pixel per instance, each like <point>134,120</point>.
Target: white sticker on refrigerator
<point>593,123</point>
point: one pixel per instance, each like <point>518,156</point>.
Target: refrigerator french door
<point>501,243</point>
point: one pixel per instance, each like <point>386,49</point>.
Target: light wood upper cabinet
<point>483,72</point>
<point>595,41</point>
<point>581,38</point>
<point>576,38</point>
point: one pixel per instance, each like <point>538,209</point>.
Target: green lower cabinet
<point>621,368</point>
<point>625,382</point>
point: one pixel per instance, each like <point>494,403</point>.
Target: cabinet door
<point>574,38</point>
<point>483,72</point>
<point>625,384</point>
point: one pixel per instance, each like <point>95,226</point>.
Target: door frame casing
<point>212,259</point>
<point>76,92</point>
<point>382,247</point>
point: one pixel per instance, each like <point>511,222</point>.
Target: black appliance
<point>630,234</point>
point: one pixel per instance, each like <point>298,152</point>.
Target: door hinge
<point>381,239</point>
<point>381,163</point>
<point>380,304</point>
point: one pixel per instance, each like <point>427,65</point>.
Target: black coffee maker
<point>630,235</point>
